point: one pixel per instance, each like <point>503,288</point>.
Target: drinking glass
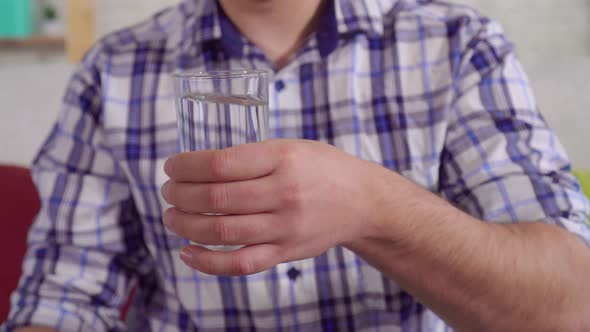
<point>221,109</point>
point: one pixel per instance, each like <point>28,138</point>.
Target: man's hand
<point>284,199</point>
<point>290,200</point>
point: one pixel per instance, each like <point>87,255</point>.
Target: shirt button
<point>279,85</point>
<point>293,273</point>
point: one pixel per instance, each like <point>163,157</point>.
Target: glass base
<point>217,247</point>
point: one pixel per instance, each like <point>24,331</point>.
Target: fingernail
<point>166,218</point>
<point>164,189</point>
<point>186,254</point>
<point>168,167</point>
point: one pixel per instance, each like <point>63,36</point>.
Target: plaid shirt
<point>428,89</point>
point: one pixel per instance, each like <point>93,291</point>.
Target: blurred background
<point>553,40</point>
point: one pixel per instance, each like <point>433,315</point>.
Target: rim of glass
<point>220,74</point>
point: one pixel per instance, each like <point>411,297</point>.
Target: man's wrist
<point>380,196</point>
<point>402,213</point>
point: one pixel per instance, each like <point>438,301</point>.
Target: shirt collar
<point>206,23</point>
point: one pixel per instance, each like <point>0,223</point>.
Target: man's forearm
<point>479,276</point>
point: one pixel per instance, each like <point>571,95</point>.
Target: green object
<point>15,18</point>
<point>49,13</point>
<point>584,178</point>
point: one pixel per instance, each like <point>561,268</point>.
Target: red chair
<point>19,204</point>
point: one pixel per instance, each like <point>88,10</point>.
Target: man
<point>416,96</point>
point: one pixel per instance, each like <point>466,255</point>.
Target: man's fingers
<point>223,230</point>
<point>244,261</point>
<point>242,197</point>
<point>244,162</point>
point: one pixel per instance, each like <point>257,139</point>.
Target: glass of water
<point>220,109</point>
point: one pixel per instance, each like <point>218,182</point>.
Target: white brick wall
<point>553,39</point>
<point>543,29</point>
<point>114,14</point>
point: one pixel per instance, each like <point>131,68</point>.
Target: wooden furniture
<point>33,42</point>
<point>80,28</point>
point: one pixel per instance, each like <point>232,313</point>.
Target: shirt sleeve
<point>501,161</point>
<point>85,247</point>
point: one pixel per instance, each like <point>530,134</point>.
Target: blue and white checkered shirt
<point>428,89</point>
